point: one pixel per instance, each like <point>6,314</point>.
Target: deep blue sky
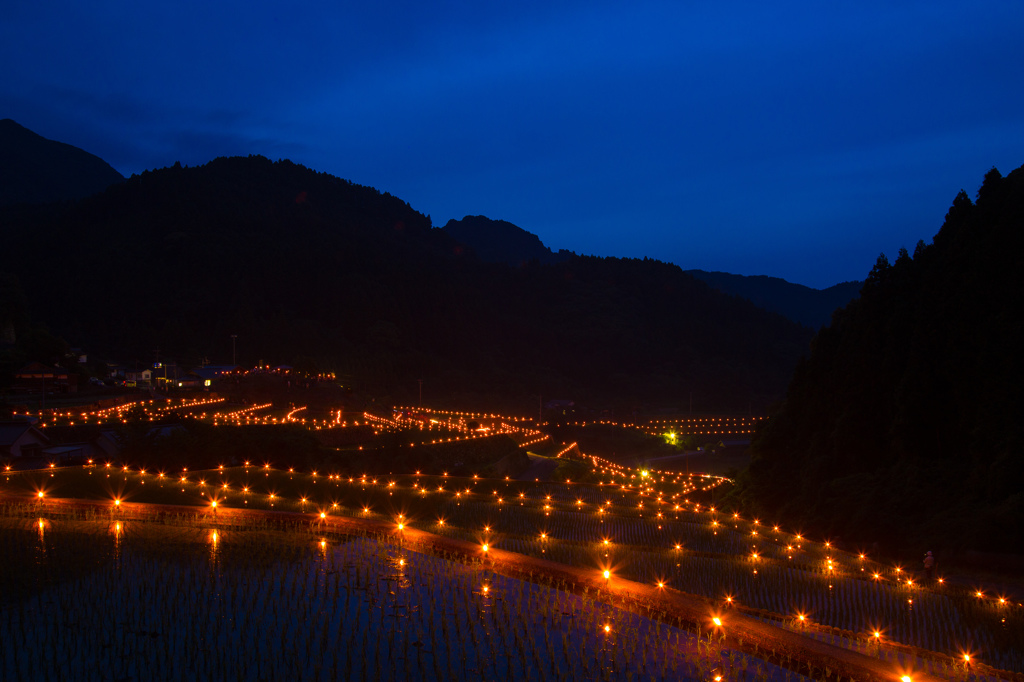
<point>795,140</point>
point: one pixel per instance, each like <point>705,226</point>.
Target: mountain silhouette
<point>498,241</point>
<point>36,170</point>
<point>810,307</point>
<point>308,268</point>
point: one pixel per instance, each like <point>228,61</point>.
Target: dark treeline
<point>904,423</point>
<point>308,268</point>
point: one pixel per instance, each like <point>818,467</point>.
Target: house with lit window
<point>141,377</point>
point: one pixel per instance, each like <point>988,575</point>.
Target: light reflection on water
<point>260,605</point>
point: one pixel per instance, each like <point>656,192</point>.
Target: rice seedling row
<point>703,553</point>
<point>190,602</point>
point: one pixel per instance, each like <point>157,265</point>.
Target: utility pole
<point>421,394</point>
<point>233,360</point>
<point>157,364</point>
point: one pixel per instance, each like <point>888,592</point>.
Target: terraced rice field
<point>654,532</point>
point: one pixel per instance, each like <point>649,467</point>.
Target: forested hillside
<point>313,270</point>
<point>904,423</point>
<point>499,241</point>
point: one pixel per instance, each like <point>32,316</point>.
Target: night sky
<point>795,140</point>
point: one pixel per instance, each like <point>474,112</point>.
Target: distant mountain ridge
<point>36,170</point>
<point>810,307</point>
<point>499,241</point>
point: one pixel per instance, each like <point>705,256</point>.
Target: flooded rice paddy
<point>143,600</point>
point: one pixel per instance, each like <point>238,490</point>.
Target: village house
<point>37,378</point>
<point>142,377</point>
<point>21,440</point>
